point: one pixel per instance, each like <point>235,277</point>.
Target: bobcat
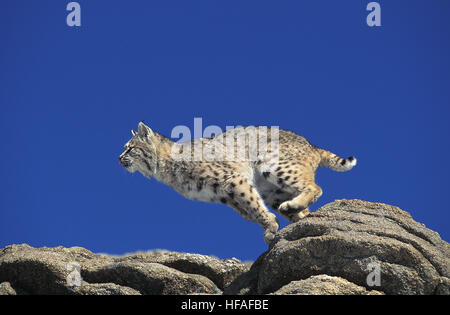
<point>281,176</point>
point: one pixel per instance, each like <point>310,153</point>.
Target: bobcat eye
<point>133,151</point>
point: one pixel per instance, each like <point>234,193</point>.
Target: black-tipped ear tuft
<point>143,130</point>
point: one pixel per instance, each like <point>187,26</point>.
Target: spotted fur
<point>282,177</point>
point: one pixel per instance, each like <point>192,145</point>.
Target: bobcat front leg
<point>244,199</point>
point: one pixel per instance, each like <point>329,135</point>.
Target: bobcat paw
<point>284,207</point>
<point>303,213</point>
<point>268,236</point>
<point>291,206</point>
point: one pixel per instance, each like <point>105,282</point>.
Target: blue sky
<point>70,95</point>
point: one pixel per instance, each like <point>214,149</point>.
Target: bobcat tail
<point>335,162</point>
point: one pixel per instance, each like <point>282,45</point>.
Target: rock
<point>103,289</point>
<point>246,283</point>
<point>76,270</point>
<point>324,285</point>
<point>345,247</point>
<point>361,242</point>
<point>7,289</point>
<point>151,278</point>
<point>35,271</point>
<point>221,272</point>
<point>443,287</point>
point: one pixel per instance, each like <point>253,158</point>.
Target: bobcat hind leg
<point>297,208</point>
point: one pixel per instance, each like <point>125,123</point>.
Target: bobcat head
<point>140,153</point>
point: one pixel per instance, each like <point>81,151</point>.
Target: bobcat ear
<point>133,132</point>
<point>143,130</point>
